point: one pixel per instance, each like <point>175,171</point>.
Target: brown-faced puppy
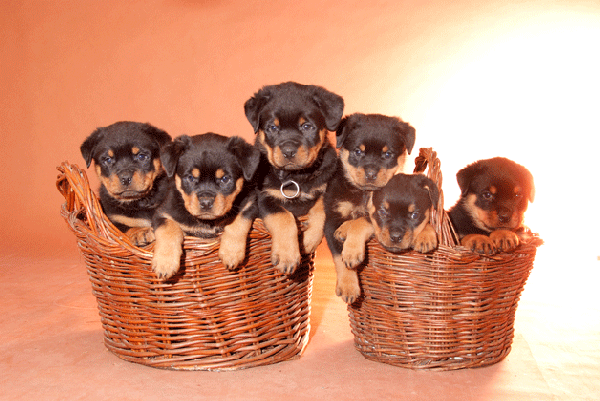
<point>210,194</point>
<point>133,182</point>
<point>291,122</point>
<point>490,211</point>
<point>400,213</point>
<point>373,148</point>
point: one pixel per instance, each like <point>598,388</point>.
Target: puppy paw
<point>347,286</point>
<point>426,240</point>
<point>504,240</point>
<point>353,253</point>
<point>478,243</point>
<point>231,253</point>
<point>164,266</point>
<point>141,236</point>
<point>341,233</point>
<point>286,257</point>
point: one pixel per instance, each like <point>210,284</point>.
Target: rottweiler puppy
<point>398,216</point>
<point>291,122</point>
<point>400,213</point>
<point>373,148</point>
<point>489,214</point>
<point>211,193</point>
<point>133,182</point>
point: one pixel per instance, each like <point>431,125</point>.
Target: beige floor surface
<point>52,347</point>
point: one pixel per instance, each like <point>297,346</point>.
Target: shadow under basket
<point>205,317</point>
<point>447,309</point>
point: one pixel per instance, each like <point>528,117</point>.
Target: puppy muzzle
<point>206,201</point>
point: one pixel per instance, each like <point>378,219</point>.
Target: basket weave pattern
<point>204,318</point>
<point>448,309</point>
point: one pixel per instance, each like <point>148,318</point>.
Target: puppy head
<point>126,157</point>
<point>291,122</point>
<point>373,148</point>
<point>495,192</point>
<point>400,210</point>
<point>209,171</point>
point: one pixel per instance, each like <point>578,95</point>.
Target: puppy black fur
<point>490,211</point>
<point>133,183</point>
<point>211,193</point>
<point>400,213</point>
<point>292,122</point>
<point>373,148</point>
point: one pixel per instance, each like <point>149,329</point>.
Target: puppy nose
<point>371,174</point>
<point>396,236</point>
<point>288,150</point>
<point>504,217</point>
<point>125,178</point>
<point>206,203</point>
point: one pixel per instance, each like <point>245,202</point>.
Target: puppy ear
<point>529,185</point>
<point>434,194</point>
<point>160,136</point>
<point>247,155</point>
<point>88,146</point>
<point>254,105</point>
<point>407,132</point>
<point>341,133</point>
<point>331,105</point>
<point>465,175</point>
<point>169,155</point>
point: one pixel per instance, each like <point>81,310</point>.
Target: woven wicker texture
<point>205,317</point>
<point>448,309</point>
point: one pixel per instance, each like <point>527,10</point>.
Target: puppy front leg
<point>285,249</point>
<point>504,240</point>
<point>167,249</point>
<point>140,236</point>
<point>426,240</point>
<point>478,243</point>
<point>347,286</point>
<point>232,250</point>
<point>354,234</point>
<point>313,235</point>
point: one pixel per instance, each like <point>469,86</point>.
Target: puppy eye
<point>225,180</point>
<point>383,213</point>
<point>414,215</point>
<point>387,155</point>
<point>487,195</point>
<point>359,152</point>
<point>272,129</point>
<point>190,178</point>
<point>107,160</point>
<point>142,157</point>
<point>307,127</point>
<point>518,195</point>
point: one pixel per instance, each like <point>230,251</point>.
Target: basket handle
<point>73,184</point>
<point>439,219</point>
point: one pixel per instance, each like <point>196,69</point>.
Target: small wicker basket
<point>204,318</point>
<point>448,309</point>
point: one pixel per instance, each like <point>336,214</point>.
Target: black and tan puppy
<point>400,213</point>
<point>373,148</point>
<point>133,182</point>
<point>490,211</point>
<point>291,122</point>
<point>398,216</point>
<point>210,194</point>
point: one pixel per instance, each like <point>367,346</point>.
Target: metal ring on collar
<point>288,183</point>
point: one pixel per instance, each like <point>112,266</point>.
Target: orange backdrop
<point>476,79</point>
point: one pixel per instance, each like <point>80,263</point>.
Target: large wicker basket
<point>448,309</point>
<point>206,317</point>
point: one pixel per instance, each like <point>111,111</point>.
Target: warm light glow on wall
<point>529,93</point>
